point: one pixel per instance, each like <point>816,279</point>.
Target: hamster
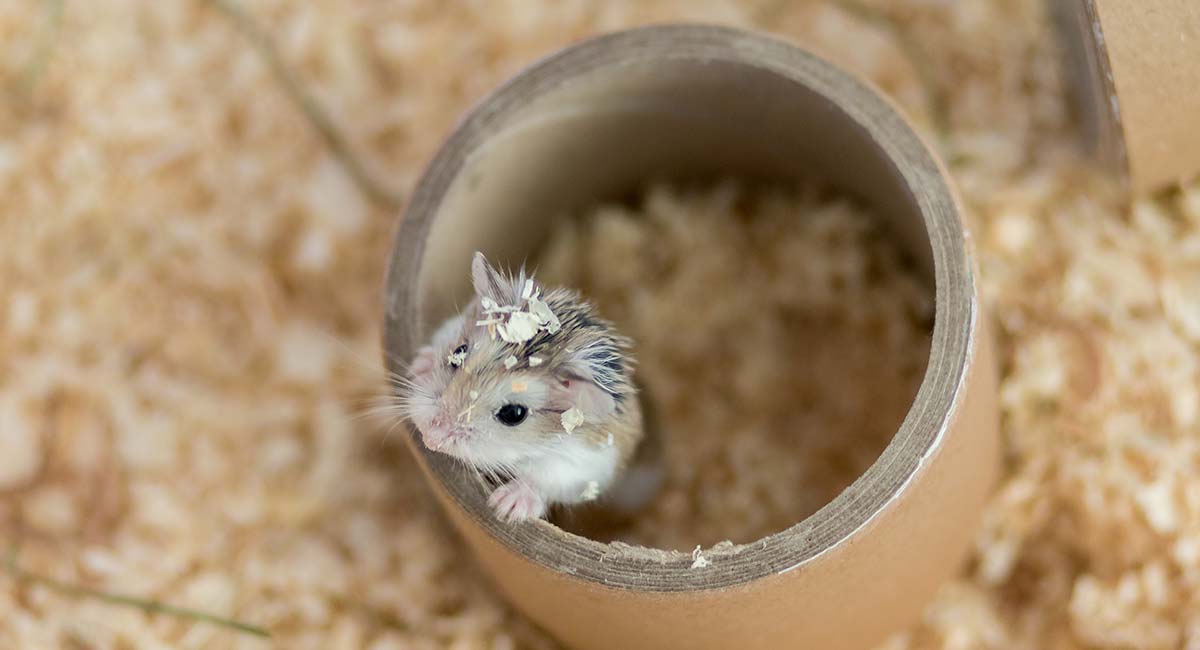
<point>529,386</point>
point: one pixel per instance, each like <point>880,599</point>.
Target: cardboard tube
<point>688,102</point>
<point>1135,67</point>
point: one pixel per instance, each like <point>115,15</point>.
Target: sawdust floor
<point>189,309</point>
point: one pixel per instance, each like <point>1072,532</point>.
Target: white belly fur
<point>564,474</point>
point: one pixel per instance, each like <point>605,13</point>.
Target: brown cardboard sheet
<point>1136,71</point>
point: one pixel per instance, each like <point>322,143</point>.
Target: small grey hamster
<point>531,386</point>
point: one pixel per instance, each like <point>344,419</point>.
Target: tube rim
<point>919,435</point>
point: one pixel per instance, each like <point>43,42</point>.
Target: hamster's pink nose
<point>439,433</point>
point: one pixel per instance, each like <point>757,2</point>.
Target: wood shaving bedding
<point>189,297</point>
<point>764,320</point>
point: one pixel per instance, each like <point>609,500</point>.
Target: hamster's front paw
<point>517,501</point>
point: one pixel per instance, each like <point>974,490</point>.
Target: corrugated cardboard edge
<point>895,564</point>
<point>846,576</point>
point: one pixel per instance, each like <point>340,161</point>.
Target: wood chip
<point>521,327</point>
<point>572,418</point>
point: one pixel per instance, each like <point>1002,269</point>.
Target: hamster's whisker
<point>403,364</point>
<point>402,381</point>
<point>388,434</point>
<point>473,470</point>
<point>480,478</point>
<point>387,406</point>
<point>370,365</point>
<point>381,412</point>
<point>378,401</point>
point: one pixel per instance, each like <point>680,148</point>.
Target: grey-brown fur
<point>608,354</point>
<point>584,336</point>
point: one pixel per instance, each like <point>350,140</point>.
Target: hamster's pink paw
<point>517,501</point>
<point>423,363</point>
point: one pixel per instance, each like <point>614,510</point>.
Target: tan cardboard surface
<point>681,101</point>
<point>1145,60</point>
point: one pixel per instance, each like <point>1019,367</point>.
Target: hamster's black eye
<point>457,357</point>
<point>512,414</point>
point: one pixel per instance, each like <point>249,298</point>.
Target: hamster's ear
<point>585,395</point>
<point>489,283</point>
<point>578,386</point>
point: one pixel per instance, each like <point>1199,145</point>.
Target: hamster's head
<point>494,397</point>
